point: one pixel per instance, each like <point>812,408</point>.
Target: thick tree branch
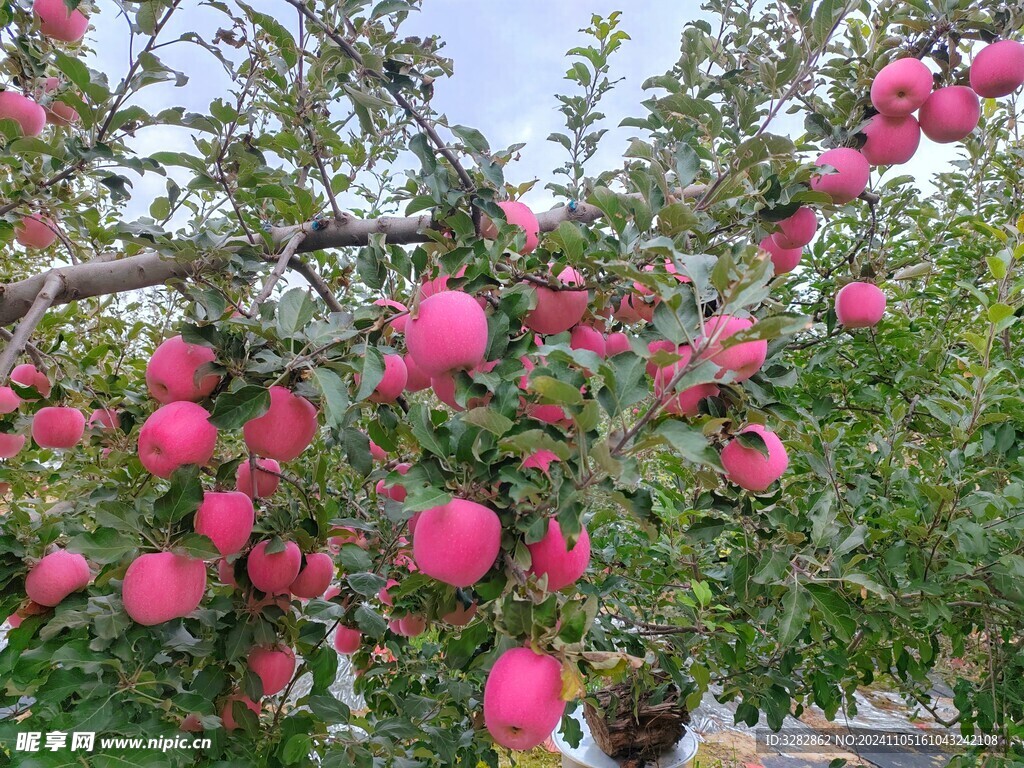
<point>19,339</point>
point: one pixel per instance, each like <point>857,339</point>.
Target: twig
<point>279,269</point>
<point>33,351</point>
<point>23,332</point>
<point>317,283</point>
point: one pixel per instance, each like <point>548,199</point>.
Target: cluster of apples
<point>33,112</point>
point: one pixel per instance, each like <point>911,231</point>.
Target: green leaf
<point>834,610</point>
<point>294,311</point>
<point>796,607</point>
<point>183,498</point>
<point>233,409</point>
<point>366,584</point>
<point>555,391</point>
<point>689,443</point>
<point>372,372</point>
<point>489,420</point>
<point>104,545</point>
<point>335,395</point>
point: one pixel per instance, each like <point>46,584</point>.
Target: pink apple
<point>860,305</point>
<point>171,371</point>
<point>160,586</point>
<point>226,519</point>
<point>58,23</point>
<point>558,311</point>
<point>227,712</point>
<point>748,467</point>
<point>848,180</point>
<point>58,113</point>
<point>56,576</point>
<point>398,323</point>
<point>58,427</point>
<point>416,380</point>
<point>314,577</point>
<point>687,402</point>
<point>448,333</point>
<point>24,111</point>
<point>552,557</point>
<point>457,543</point>
<point>10,445</point>
<point>274,667</point>
<point>29,376</point>
<point>284,431</point>
<point>391,386</point>
<point>276,571</point>
<point>9,400</point>
<point>950,114</point>
<point>891,140</point>
<point>744,359</point>
<point>783,259</point>
<point>267,480</point>
<point>998,69</point>
<point>174,435</point>
<point>901,87</point>
<point>523,698</point>
<point>35,231</point>
<point>616,344</point>
<point>797,230</point>
<point>347,640</point>
<point>519,215</point>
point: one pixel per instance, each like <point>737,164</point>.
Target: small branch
<point>19,339</point>
<point>317,283</point>
<point>33,351</point>
<point>279,269</point>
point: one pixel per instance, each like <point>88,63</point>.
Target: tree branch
<point>279,269</point>
<point>19,339</point>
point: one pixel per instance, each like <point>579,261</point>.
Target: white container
<point>589,755</point>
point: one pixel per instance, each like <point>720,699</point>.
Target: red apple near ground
<point>227,712</point>
<point>891,140</point>
<point>552,557</point>
<point>519,215</point>
<point>56,576</point>
<point>10,445</point>
<point>848,180</point>
<point>267,480</point>
<point>744,359</point>
<point>751,469</point>
<point>783,259</point>
<point>457,543</point>
<point>448,333</point>
<point>523,698</point>
<point>347,640</point>
<point>314,577</point>
<point>901,87</point>
<point>171,371</point>
<point>226,519</point>
<point>797,230</point>
<point>35,231</point>
<point>273,666</point>
<point>58,23</point>
<point>998,69</point>
<point>860,305</point>
<point>284,431</point>
<point>687,402</point>
<point>558,311</point>
<point>273,572</point>
<point>950,114</point>
<point>160,586</point>
<point>9,400</point>
<point>24,111</point>
<point>393,383</point>
<point>58,427</point>
<point>175,435</point>
<point>29,376</point>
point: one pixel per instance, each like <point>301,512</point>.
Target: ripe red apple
<point>458,542</point>
<point>104,419</point>
<point>460,616</point>
<point>24,111</point>
<point>448,333</point>
<point>687,402</point>
<point>410,626</point>
<point>226,714</point>
<point>347,640</point>
<point>633,309</point>
<point>267,481</point>
<point>284,431</point>
<point>519,215</point>
<point>523,698</point>
<point>396,376</point>
<point>58,23</point>
<point>384,594</point>
<point>226,573</point>
<point>35,231</point>
<point>783,259</point>
<point>797,230</point>
<point>9,400</point>
<point>558,311</point>
<point>10,445</point>
<point>744,359</point>
<point>998,69</point>
<point>394,491</point>
<point>274,666</point>
<point>191,723</point>
<point>56,576</point>
<point>273,572</point>
<point>416,380</point>
<point>658,345</point>
<point>849,179</point>
<point>860,305</point>
<point>377,453</point>
<point>314,577</point>
<point>399,322</point>
<point>585,337</point>
<point>29,376</point>
<point>160,586</point>
<point>616,344</point>
<point>950,114</point>
<point>171,371</point>
<point>226,519</point>
<point>901,87</point>
<point>748,467</point>
<point>58,113</point>
<point>552,557</point>
<point>58,427</point>
<point>174,435</point>
<point>891,140</point>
